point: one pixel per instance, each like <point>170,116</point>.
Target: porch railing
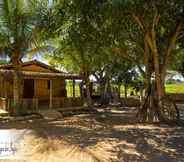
<point>34,104</point>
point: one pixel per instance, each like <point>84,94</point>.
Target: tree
<point>178,63</point>
<point>79,39</point>
<point>19,34</point>
<point>126,74</point>
<point>156,28</point>
<point>73,58</point>
<point>144,33</point>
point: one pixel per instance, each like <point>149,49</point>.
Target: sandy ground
<point>110,136</point>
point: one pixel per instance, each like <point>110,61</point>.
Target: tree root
<point>152,110</point>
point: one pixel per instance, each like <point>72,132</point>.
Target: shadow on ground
<point>113,135</point>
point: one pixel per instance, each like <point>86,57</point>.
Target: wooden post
<point>5,95</point>
<point>74,88</point>
<point>1,86</point>
<point>16,89</point>
<point>35,102</point>
<point>51,95</point>
<point>5,89</point>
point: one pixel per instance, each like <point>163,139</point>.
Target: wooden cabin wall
<point>8,83</point>
<point>59,88</point>
<point>35,68</point>
<point>1,86</point>
<point>6,87</point>
<point>9,88</point>
<point>42,88</point>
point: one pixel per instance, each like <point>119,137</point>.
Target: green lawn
<point>175,88</point>
<point>170,88</point>
<point>122,91</point>
<point>69,88</point>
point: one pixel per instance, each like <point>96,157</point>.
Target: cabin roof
<point>5,72</point>
<point>8,69</point>
<point>28,63</point>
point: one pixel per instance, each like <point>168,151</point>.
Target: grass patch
<point>69,88</point>
<point>175,88</point>
<point>170,88</point>
<point>129,90</point>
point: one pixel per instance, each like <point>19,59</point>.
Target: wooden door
<point>28,88</point>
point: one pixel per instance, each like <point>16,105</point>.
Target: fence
<point>67,102</point>
<point>133,101</point>
<point>130,101</point>
<point>177,97</point>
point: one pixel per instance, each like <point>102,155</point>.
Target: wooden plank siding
<point>35,68</point>
<point>42,88</point>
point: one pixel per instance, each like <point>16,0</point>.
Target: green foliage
<point>80,46</point>
<point>178,63</point>
<point>129,91</point>
<point>3,62</point>
<point>20,33</point>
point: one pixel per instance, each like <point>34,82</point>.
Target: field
<point>170,88</point>
<point>175,88</point>
<point>69,88</point>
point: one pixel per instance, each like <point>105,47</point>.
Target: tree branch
<point>172,42</point>
<point>123,54</point>
<point>138,21</point>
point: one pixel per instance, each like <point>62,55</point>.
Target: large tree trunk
<point>81,87</point>
<point>102,93</point>
<point>106,92</point>
<point>156,107</point>
<point>119,92</point>
<point>150,110</point>
<point>125,90</point>
<point>105,89</point>
<point>16,92</point>
<point>88,92</point>
<point>16,86</point>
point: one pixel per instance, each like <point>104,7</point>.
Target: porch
<point>36,104</point>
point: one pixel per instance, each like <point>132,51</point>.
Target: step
<point>50,114</point>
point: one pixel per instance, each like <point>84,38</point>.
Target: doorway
<point>28,88</point>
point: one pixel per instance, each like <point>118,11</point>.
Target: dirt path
<point>110,136</point>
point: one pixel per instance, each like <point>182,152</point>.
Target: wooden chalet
<point>40,86</point>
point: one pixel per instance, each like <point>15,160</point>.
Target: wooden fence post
<point>74,88</point>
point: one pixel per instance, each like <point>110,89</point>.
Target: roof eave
<point>41,74</point>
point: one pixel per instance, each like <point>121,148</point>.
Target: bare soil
<point>112,135</point>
